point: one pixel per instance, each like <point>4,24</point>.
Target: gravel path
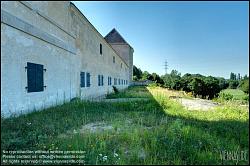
<point>197,104</point>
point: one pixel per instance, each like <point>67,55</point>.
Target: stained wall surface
<point>58,36</point>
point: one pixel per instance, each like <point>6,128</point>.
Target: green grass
<point>236,93</point>
<point>131,92</point>
<point>157,131</point>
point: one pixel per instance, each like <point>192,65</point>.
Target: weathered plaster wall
<point>58,36</point>
<point>88,42</point>
<point>126,53</point>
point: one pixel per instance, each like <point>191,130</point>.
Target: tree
<point>233,84</point>
<point>223,83</point>
<point>244,85</point>
<point>173,80</point>
<point>145,75</point>
<point>135,78</point>
<point>232,76</point>
<point>155,77</point>
<point>185,80</point>
<point>211,88</point>
<point>196,86</point>
<point>137,73</point>
<point>238,77</point>
<point>245,77</point>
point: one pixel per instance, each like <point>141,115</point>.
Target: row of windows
<point>35,78</point>
<point>100,80</point>
<point>120,82</point>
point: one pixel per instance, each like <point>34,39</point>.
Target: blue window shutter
<point>98,80</point>
<point>83,79</point>
<point>39,77</point>
<point>35,77</point>
<point>31,77</point>
<point>82,76</point>
<point>102,80</point>
<point>88,80</point>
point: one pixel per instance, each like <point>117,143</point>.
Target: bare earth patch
<point>96,127</point>
<point>197,104</point>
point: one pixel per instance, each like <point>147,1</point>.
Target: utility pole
<point>166,66</point>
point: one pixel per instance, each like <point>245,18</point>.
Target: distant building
<point>50,53</point>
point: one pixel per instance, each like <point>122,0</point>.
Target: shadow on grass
<point>173,139</point>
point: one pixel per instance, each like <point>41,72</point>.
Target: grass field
<point>157,131</point>
<point>236,93</point>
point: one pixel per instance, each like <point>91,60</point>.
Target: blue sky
<point>210,38</point>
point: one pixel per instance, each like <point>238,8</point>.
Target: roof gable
<point>114,37</point>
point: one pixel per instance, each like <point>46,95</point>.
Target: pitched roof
<point>114,37</point>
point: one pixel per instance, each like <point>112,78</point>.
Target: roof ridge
<point>119,35</point>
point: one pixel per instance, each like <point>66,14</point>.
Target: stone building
<point>50,53</point>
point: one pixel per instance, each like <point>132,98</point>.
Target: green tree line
<point>200,86</point>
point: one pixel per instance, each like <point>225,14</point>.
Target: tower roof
<point>114,37</point>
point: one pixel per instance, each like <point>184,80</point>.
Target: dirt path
<point>121,99</point>
<point>197,104</point>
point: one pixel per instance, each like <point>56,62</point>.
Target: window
<point>35,77</point>
<point>113,59</point>
<point>88,79</point>
<point>82,77</point>
<point>121,65</point>
<point>119,81</point>
<point>100,80</point>
<point>101,49</point>
<point>115,81</point>
<point>109,81</point>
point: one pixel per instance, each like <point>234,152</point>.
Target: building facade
<point>50,53</point>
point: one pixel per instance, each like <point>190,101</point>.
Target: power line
<point>166,66</point>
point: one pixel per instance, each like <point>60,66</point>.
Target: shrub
<point>246,98</point>
<point>190,94</point>
<point>75,99</point>
<point>244,85</point>
<point>115,89</point>
<point>152,85</point>
<point>225,96</point>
